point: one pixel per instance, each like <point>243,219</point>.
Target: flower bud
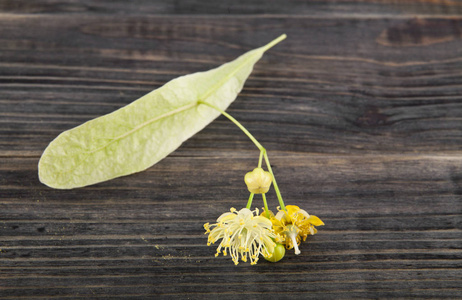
<point>258,181</point>
<point>278,253</point>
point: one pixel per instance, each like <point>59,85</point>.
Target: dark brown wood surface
<point>360,109</point>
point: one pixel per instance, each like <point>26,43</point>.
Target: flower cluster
<point>246,235</point>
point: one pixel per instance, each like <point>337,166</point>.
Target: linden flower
<point>243,233</point>
<point>294,225</point>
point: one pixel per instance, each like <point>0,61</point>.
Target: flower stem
<point>259,146</point>
<point>254,140</point>
<point>266,205</point>
<point>249,203</point>
<point>276,188</point>
<point>260,159</point>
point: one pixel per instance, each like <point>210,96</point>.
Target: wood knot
<point>372,117</point>
<point>421,32</point>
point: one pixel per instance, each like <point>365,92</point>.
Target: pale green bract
<point>135,137</point>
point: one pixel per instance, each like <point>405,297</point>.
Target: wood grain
<point>359,109</point>
<point>236,7</point>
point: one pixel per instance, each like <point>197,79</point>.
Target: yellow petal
<point>315,221</point>
<point>292,209</point>
<point>263,221</point>
<point>280,216</point>
<point>292,216</point>
<point>304,213</point>
<point>226,217</point>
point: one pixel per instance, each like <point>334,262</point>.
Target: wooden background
<point>360,109</point>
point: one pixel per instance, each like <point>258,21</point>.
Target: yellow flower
<point>243,233</point>
<point>258,181</point>
<point>294,225</point>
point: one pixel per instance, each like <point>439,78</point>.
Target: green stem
<point>249,203</point>
<point>275,184</point>
<point>260,159</point>
<point>254,140</point>
<point>259,146</point>
<point>266,205</point>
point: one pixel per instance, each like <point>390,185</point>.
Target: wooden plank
<point>235,7</point>
<point>382,98</point>
<point>395,226</point>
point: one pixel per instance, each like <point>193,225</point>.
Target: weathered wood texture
<point>236,7</point>
<point>360,110</point>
